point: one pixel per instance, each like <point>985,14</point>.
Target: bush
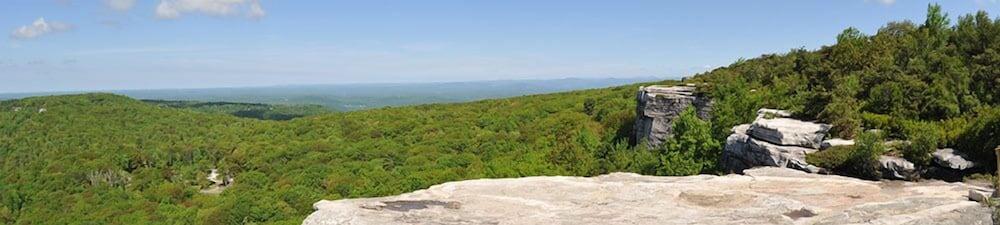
<point>982,136</point>
<point>831,158</point>
<point>691,149</point>
<point>863,161</point>
<point>924,140</point>
<point>876,121</point>
<point>860,160</point>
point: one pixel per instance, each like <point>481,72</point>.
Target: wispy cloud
<point>172,9</point>
<point>39,28</point>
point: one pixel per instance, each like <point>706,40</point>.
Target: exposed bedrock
<point>773,140</point>
<point>767,195</point>
<point>659,106</point>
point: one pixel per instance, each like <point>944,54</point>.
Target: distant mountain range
<point>349,97</point>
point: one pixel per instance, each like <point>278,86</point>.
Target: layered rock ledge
<point>658,106</point>
<point>772,140</point>
<point>768,195</point>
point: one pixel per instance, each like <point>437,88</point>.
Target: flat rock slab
<point>763,196</point>
<point>789,132</point>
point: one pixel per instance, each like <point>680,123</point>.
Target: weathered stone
<point>789,132</point>
<point>741,129</point>
<point>980,195</point>
<point>952,159</point>
<point>772,113</point>
<point>763,196</point>
<point>743,152</point>
<point>835,142</point>
<point>659,106</point>
<point>896,168</point>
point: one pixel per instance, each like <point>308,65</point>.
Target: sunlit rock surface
<point>762,196</point>
<point>772,140</point>
<point>658,107</point>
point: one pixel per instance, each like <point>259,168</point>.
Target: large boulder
<point>789,132</point>
<point>743,152</point>
<point>896,168</point>
<point>772,140</point>
<point>659,106</point>
<point>764,196</point>
<point>949,158</point>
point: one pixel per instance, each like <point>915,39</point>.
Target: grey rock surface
<point>763,196</point>
<point>744,152</point>
<point>789,132</point>
<point>949,158</point>
<point>980,195</point>
<point>896,168</point>
<point>659,106</point>
<point>773,113</point>
<point>772,140</point>
<point>835,142</point>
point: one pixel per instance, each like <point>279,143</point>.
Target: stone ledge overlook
<point>767,195</point>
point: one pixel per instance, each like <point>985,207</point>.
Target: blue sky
<point>145,44</point>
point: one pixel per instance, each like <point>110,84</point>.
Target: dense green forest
<point>934,84</point>
<point>109,159</point>
<point>246,110</point>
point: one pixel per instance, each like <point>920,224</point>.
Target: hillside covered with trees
<point>109,159</point>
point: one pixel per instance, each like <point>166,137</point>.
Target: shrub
<point>982,136</point>
<point>859,160</point>
<point>831,158</point>
<point>863,161</point>
<point>691,149</point>
<point>924,140</point>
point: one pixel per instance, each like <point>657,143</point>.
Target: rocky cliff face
<point>659,106</point>
<point>762,196</point>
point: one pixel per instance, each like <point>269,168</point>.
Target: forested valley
<point>108,159</point>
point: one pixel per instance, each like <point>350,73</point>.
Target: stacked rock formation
<point>659,106</point>
<point>773,140</point>
<point>763,196</point>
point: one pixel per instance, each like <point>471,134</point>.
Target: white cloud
<point>172,9</point>
<point>38,28</point>
<point>120,5</point>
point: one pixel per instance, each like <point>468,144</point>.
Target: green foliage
<point>923,141</point>
<point>692,149</point>
<point>864,160</point>
<point>982,136</point>
<point>859,160</point>
<point>246,110</point>
<point>107,159</point>
<point>937,74</point>
<point>834,157</point>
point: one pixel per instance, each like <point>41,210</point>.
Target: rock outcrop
<point>789,132</point>
<point>219,183</point>
<point>896,168</point>
<point>659,106</point>
<point>951,159</point>
<point>834,143</point>
<point>763,196</point>
<point>773,141</point>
